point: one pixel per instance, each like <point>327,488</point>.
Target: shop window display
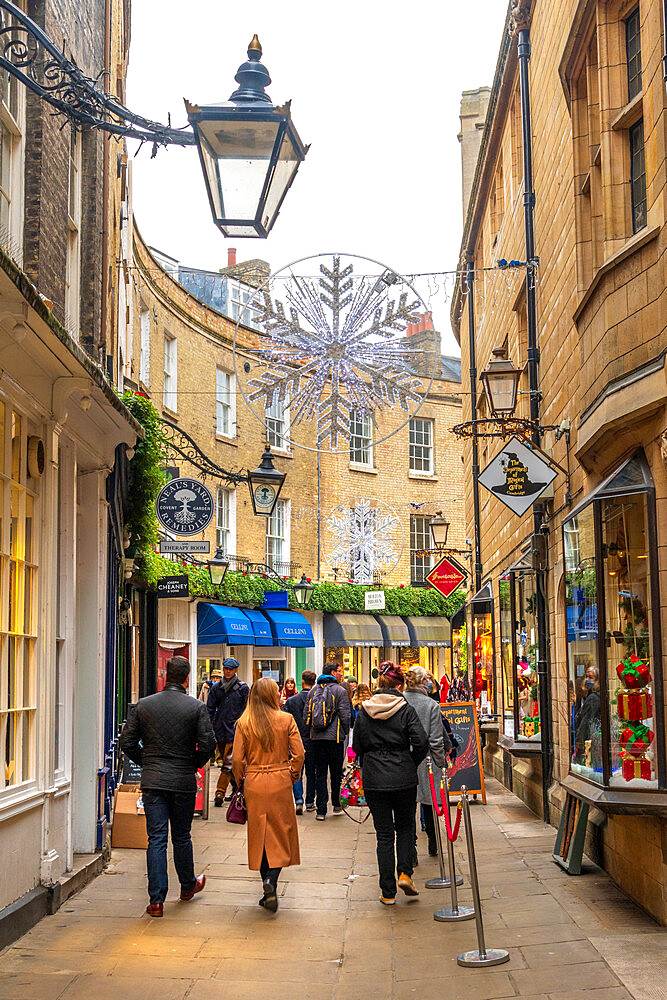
<point>482,662</point>
<point>506,655</point>
<point>616,728</point>
<point>519,653</point>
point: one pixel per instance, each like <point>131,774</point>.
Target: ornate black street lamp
<point>249,149</point>
<point>217,567</point>
<point>250,152</point>
<point>303,591</point>
<point>265,485</point>
<point>439,529</point>
<point>501,383</point>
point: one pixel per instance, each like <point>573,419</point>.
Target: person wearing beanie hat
<point>226,704</point>
<point>390,743</point>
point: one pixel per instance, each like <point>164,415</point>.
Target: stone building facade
<point>598,147</point>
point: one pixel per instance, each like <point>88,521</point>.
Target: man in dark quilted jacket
<point>170,735</point>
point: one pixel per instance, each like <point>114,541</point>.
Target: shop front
<point>356,642</point>
<point>480,650</point>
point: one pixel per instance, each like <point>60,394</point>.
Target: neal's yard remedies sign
<point>174,586</point>
<point>184,506</point>
<point>467,768</point>
<point>374,600</point>
<point>517,476</point>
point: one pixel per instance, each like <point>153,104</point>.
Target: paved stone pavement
<point>569,938</point>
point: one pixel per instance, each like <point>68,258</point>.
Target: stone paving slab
<point>569,939</point>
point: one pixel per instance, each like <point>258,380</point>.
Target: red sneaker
<point>198,886</point>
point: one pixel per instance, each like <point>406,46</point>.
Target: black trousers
<point>328,756</point>
<point>429,823</point>
<point>272,874</point>
<point>393,815</point>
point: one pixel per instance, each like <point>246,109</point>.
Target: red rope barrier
<point>442,810</point>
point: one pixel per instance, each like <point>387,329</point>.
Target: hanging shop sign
<point>174,586</point>
<point>374,600</point>
<point>187,547</point>
<point>184,506</point>
<point>517,476</point>
<point>446,576</point>
<point>467,768</point>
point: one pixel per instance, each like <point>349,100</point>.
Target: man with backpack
<point>327,715</point>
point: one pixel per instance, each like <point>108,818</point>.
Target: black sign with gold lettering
<point>517,476</point>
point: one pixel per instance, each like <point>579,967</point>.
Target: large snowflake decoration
<point>339,344</point>
<point>363,539</point>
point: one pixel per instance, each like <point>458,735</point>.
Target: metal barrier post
<point>483,955</point>
<point>443,881</point>
<point>453,912</point>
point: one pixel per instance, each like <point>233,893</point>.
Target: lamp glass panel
<point>503,392</point>
<point>241,153</point>
<point>286,167</point>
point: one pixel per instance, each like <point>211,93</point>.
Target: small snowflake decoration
<point>338,344</point>
<point>363,538</point>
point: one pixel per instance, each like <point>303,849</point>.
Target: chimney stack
<point>231,257</point>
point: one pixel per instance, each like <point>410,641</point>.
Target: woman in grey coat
<point>428,712</point>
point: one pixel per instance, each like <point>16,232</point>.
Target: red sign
<point>446,576</point>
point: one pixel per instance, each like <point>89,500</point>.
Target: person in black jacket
<point>391,743</point>
<point>170,735</point>
<point>226,704</point>
<point>295,706</point>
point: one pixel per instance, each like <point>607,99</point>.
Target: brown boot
<point>200,882</point>
<point>155,909</point>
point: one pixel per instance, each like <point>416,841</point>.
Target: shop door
<point>164,654</point>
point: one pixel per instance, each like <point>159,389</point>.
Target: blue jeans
<point>163,808</point>
<point>309,768</point>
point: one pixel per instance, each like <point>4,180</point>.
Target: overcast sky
<point>375,88</point>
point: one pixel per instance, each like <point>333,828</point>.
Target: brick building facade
<point>598,145</point>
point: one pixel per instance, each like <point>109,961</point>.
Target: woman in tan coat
<point>268,756</point>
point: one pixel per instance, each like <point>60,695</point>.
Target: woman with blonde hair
<point>268,757</point>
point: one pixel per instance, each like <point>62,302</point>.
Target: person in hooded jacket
<point>428,713</point>
<point>390,743</point>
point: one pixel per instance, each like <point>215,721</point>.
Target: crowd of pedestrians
<point>281,752</point>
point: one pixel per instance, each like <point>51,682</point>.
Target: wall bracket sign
<point>446,576</point>
<point>184,507</point>
<point>517,476</point>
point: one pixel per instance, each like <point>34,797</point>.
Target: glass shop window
<point>506,655</point>
<point>482,657</point>
<point>612,606</point>
<point>526,653</point>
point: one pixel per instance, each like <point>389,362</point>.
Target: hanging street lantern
<point>439,529</point>
<point>303,591</point>
<point>250,152</point>
<point>501,383</point>
<point>217,567</point>
<point>265,485</point>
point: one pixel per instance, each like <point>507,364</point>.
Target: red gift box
<point>636,767</point>
<point>636,739</point>
<point>633,672</point>
<point>634,705</point>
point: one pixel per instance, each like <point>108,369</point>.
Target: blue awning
<point>260,627</point>
<point>289,628</point>
<point>216,623</point>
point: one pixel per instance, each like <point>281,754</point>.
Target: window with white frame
<point>277,538</point>
<point>12,154</point>
<point>277,425</point>
<point>170,385</point>
<point>225,403</point>
<point>73,262</point>
<point>145,344</point>
<point>421,446</point>
<point>19,545</point>
<point>242,303</point>
<point>361,438</point>
<point>225,520</point>
<point>420,540</point>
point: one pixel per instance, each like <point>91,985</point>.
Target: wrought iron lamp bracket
<point>268,571</point>
<point>180,443</point>
<point>422,553</point>
<point>27,53</point>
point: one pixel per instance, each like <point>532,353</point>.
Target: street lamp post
<point>265,485</point>
<point>439,530</point>
<point>303,591</point>
<point>501,383</point>
<point>217,567</point>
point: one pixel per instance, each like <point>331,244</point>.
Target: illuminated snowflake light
<point>363,539</point>
<point>338,342</point>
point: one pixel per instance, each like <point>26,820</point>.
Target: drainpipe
<point>664,39</point>
<point>105,202</point>
<point>543,667</point>
<point>319,513</point>
<point>470,283</point>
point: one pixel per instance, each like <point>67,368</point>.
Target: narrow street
<point>569,938</point>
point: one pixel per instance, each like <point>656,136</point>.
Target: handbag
<point>237,811</point>
<point>351,788</point>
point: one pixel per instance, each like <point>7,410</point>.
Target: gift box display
<point>634,705</point>
<point>636,739</point>
<point>530,725</point>
<point>633,672</point>
<point>636,767</point>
